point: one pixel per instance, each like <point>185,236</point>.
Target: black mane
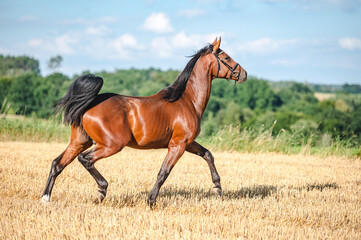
<point>173,92</point>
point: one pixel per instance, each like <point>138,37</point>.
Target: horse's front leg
<point>175,151</point>
<point>198,149</point>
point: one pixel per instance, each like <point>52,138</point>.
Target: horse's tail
<point>78,97</point>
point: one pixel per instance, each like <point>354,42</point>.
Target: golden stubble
<point>268,196</point>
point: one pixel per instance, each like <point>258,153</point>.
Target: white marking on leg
<point>45,198</point>
<point>101,196</point>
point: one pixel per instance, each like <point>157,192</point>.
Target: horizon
<point>315,42</point>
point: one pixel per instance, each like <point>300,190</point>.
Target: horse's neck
<point>199,87</point>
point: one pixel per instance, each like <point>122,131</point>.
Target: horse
<point>169,119</point>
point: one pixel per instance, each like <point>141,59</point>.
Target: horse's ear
<point>216,44</point>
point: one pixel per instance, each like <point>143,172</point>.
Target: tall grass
<point>290,142</point>
<point>32,129</point>
<point>230,138</point>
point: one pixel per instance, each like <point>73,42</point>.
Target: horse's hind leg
<point>88,158</point>
<point>198,149</point>
<point>79,142</point>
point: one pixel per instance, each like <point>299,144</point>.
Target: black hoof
<point>151,203</point>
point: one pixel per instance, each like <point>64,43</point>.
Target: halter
<point>229,67</point>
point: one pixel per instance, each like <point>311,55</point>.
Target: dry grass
<point>268,196</point>
<point>324,96</point>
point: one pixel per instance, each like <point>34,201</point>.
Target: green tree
<point>231,114</point>
<point>5,83</point>
<point>54,63</point>
<point>15,66</point>
<point>48,91</point>
<point>21,93</point>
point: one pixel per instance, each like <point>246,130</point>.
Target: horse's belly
<point>150,138</point>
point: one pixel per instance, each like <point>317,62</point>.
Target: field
<point>265,196</point>
<point>324,96</point>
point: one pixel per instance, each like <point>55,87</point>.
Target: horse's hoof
<point>101,197</point>
<point>151,203</point>
<point>217,191</point>
<point>45,198</point>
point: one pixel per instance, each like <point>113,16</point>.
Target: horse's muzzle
<point>242,76</point>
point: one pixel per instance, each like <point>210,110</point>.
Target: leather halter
<point>229,67</point>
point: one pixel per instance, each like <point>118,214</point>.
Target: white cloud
<point>129,41</point>
<point>350,43</point>
<point>158,23</point>
<point>267,45</point>
<point>5,50</point>
<point>35,42</point>
<point>79,21</point>
<point>273,1</point>
<point>125,45</point>
<point>345,5</point>
<point>182,40</point>
<point>28,18</point>
<point>161,47</point>
<point>191,13</point>
<point>208,1</point>
<point>94,21</point>
<point>101,30</point>
<point>288,62</point>
<point>64,44</point>
<point>108,19</point>
<point>166,47</point>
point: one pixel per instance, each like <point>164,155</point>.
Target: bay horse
<point>169,119</point>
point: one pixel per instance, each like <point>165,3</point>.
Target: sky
<point>309,41</point>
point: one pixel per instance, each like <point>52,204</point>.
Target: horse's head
<point>226,66</point>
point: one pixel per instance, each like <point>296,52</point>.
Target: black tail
<point>79,95</point>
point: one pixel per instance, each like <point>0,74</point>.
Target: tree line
<point>256,104</point>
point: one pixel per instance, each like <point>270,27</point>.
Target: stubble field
<point>268,196</point>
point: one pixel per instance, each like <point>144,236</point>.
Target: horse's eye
<point>226,58</point>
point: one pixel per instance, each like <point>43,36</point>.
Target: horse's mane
<point>173,92</point>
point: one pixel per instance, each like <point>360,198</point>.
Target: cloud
<point>166,47</point>
<point>266,45</point>
<point>182,40</point>
<point>95,21</point>
<point>126,45</point>
<point>108,19</point>
<point>288,62</point>
<point>35,42</point>
<point>208,1</point>
<point>273,1</point>
<point>64,44</point>
<point>128,41</point>
<point>28,18</point>
<point>5,50</point>
<point>161,47</point>
<point>101,30</point>
<point>345,5</point>
<point>158,23</point>
<point>75,21</point>
<point>350,43</point>
<point>191,13</point>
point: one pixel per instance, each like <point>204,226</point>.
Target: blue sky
<point>315,41</point>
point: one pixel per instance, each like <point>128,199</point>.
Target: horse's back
<point>140,122</point>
